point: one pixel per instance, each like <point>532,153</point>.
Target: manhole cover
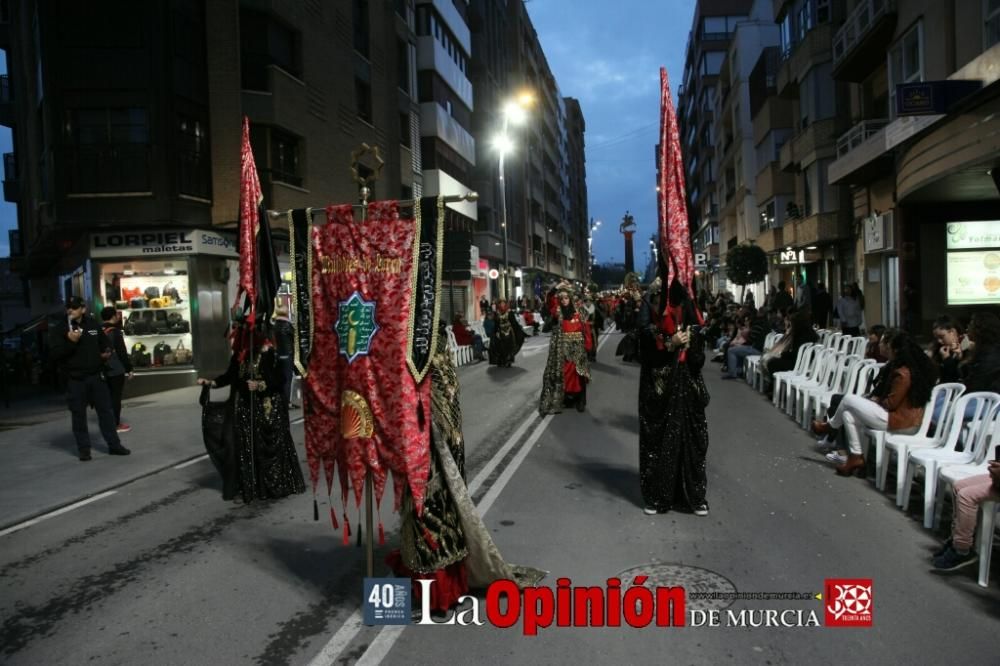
<point>705,590</point>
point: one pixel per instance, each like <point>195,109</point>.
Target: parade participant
<point>626,314</point>
<point>673,431</point>
<point>448,543</point>
<point>264,464</point>
<point>567,370</point>
<point>507,338</point>
<point>585,307</point>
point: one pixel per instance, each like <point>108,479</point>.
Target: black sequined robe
<point>263,464</point>
<point>506,341</point>
<point>673,431</point>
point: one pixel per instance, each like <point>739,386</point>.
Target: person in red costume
<point>567,370</point>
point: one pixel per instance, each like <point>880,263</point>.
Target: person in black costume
<point>256,455</point>
<point>673,431</point>
<point>507,337</point>
<point>626,315</point>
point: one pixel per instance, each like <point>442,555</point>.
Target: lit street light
<point>594,224</point>
<point>514,112</point>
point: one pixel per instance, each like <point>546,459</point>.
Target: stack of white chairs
<point>857,382</point>
<point>805,364</point>
<point>460,354</point>
<point>814,377</point>
<point>966,440</point>
<point>752,370</point>
<point>835,379</point>
<point>887,443</point>
<point>478,328</point>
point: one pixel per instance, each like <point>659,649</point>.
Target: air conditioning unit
<point>880,233</point>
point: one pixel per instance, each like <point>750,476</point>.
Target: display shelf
<point>156,335</point>
<point>171,307</point>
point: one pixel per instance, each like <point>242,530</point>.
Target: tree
<point>746,264</point>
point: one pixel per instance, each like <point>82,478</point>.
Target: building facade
<point>923,180</point>
<point>127,121</point>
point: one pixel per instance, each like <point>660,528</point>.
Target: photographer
<point>80,346</point>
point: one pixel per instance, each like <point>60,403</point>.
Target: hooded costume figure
<point>507,337</point>
<point>567,370</point>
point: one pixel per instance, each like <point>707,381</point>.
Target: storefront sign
<point>494,274</point>
<point>973,278</point>
<point>973,235</point>
<point>792,257</point>
<point>932,97</point>
<point>161,243</point>
<point>701,261</point>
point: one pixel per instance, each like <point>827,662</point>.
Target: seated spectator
<point>756,332</point>
<point>798,332</point>
<point>970,493</point>
<point>873,349</point>
<point>896,404</point>
<point>490,323</point>
<point>949,348</point>
<point>464,336</point>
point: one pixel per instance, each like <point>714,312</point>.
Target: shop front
<point>171,287</point>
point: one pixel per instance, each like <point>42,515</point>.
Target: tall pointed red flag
<point>251,198</point>
<point>675,236</point>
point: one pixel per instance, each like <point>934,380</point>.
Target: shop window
<point>109,150</point>
<point>154,300</point>
<point>285,163</point>
<point>193,164</point>
<point>906,62</point>
<point>991,13</point>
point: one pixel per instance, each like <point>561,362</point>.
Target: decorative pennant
<point>428,258</point>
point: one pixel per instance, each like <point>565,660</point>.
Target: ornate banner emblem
<point>355,327</point>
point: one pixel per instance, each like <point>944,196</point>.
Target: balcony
<point>6,102</point>
<point>431,54</point>
<point>771,240</point>
<point>860,44</point>
<point>814,142</point>
<point>772,181</point>
<point>862,154</point>
<point>11,182</point>
<point>815,229</point>
<point>815,49</point>
<point>435,122</point>
<point>774,114</point>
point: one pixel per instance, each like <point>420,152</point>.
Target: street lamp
<point>514,112</point>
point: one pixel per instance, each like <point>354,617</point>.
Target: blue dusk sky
<point>608,55</point>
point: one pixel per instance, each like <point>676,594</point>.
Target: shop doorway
<point>890,291</point>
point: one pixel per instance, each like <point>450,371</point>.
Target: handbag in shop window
<point>182,355</point>
<point>160,352</point>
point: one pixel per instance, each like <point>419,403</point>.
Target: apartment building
<point>712,29</point>
<point>578,257</point>
<point>736,148</point>
<point>126,120</point>
<point>817,234</point>
<point>922,169</point>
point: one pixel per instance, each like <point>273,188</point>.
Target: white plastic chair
<point>822,376</point>
<point>857,346</point>
<point>886,444</point>
<point>986,525</point>
<point>809,376</point>
<point>838,376</point>
<point>932,459</point>
<point>803,359</point>
<point>752,369</point>
<point>855,385</point>
<point>949,475</point>
<point>460,354</point>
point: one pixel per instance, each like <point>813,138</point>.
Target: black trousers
<point>851,330</point>
<point>91,389</point>
<point>287,365</point>
<point>116,385</point>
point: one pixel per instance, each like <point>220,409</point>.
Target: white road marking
<point>340,640</point>
<point>191,462</point>
<point>57,512</point>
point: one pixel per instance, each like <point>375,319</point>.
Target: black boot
<point>581,399</point>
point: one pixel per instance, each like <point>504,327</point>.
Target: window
<point>906,62</point>
<point>193,163</point>
<point>767,216</point>
<point>109,150</point>
<point>361,27</point>
<point>711,63</point>
<point>404,130</point>
<point>808,179</point>
<point>265,42</point>
<point>363,99</point>
<point>285,158</point>
<point>403,65</point>
<point>992,18</point>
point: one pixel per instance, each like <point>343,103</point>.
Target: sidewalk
<point>39,470</point>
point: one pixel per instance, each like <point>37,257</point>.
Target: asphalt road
<point>164,572</point>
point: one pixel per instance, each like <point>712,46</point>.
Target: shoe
<point>653,511</point>
<point>701,510</point>
<point>855,465</point>
<point>821,427</point>
<point>581,404</point>
<point>952,560</point>
<point>836,458</point>
<point>823,445</point>
<point>85,455</point>
<point>124,427</point>
<point>118,451</point>
<point>942,549</point>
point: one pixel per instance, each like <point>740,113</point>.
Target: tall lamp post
<point>514,112</point>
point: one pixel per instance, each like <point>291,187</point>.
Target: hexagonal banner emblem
<point>355,326</point>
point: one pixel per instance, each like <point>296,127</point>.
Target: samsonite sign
<point>158,243</point>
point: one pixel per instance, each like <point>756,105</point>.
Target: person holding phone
<point>971,492</point>
<point>80,346</point>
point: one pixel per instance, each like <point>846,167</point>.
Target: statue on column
<point>627,229</point>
